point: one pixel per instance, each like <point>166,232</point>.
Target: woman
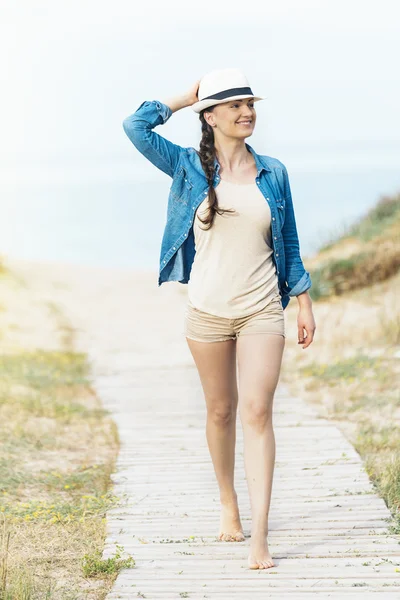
<point>231,235</point>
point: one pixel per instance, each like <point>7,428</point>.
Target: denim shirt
<point>189,188</point>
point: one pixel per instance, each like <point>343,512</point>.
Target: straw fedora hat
<point>222,85</point>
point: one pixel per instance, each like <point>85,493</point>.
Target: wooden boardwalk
<point>328,528</point>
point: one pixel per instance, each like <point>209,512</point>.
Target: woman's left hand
<point>305,321</point>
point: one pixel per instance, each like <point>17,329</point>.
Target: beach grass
<point>367,252</point>
<point>58,448</point>
<point>351,371</point>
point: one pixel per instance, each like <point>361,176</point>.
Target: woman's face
<point>235,118</point>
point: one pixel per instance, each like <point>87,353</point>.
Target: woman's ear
<point>209,117</point>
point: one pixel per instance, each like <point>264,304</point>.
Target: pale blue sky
<point>74,70</point>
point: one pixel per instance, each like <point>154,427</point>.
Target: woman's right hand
<point>192,96</point>
<point>178,102</point>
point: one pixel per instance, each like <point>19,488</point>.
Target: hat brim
<point>202,104</point>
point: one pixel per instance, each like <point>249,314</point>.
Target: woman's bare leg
<point>259,360</point>
<point>216,365</point>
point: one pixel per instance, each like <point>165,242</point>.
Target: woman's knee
<point>256,412</point>
<point>221,413</point>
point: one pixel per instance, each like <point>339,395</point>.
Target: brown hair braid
<point>207,154</point>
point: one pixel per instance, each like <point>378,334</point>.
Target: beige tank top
<point>233,274</point>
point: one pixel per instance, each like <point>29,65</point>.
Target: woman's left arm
<point>298,279</point>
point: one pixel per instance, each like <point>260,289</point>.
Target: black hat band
<point>228,93</point>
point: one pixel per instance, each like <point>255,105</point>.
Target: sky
<point>72,71</point>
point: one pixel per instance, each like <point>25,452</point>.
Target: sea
<point>116,223</point>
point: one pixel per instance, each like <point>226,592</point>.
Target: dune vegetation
<point>351,371</point>
<point>58,448</point>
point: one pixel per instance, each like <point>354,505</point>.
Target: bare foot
<point>260,557</point>
<point>230,525</point>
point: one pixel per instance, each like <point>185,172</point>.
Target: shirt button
<point>267,198</point>
<point>273,218</point>
<point>275,238</point>
<point>174,248</point>
<point>277,254</point>
<point>163,261</point>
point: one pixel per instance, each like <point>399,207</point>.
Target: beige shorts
<point>204,327</point>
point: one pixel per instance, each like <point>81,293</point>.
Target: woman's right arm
<point>139,129</point>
